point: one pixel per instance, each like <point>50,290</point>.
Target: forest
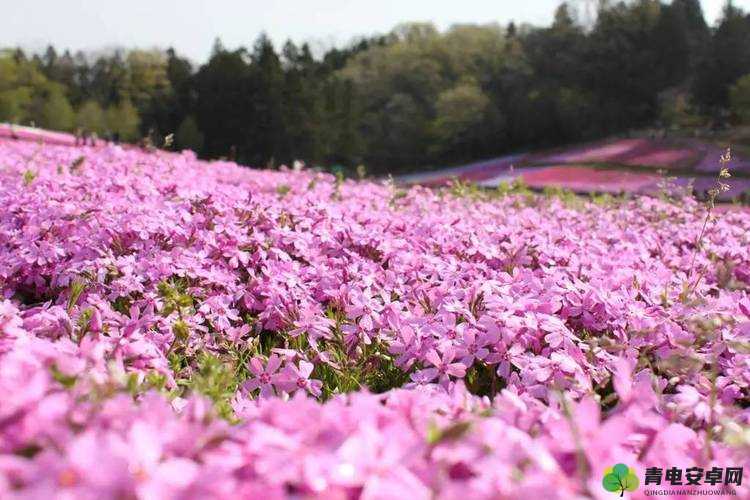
<point>406,100</point>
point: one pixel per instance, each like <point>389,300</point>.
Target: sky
<point>191,26</point>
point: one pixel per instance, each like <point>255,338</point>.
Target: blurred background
<point>481,90</point>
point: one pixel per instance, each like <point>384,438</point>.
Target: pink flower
<point>298,378</point>
<point>266,377</point>
<point>473,346</point>
<point>218,309</point>
<point>365,308</point>
<point>442,367</point>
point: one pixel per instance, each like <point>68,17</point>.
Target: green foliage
<point>460,113</point>
<point>122,119</point>
<point>176,298</point>
<point>28,177</point>
<point>188,136</point>
<point>83,323</point>
<point>282,190</point>
<point>77,287</point>
<point>453,432</point>
<point>739,98</point>
<point>91,117</point>
<point>516,186</point>
<point>676,111</point>
<point>67,381</point>
<point>27,96</point>
<point>727,59</point>
<point>482,379</point>
<point>215,379</point>
<point>55,112</point>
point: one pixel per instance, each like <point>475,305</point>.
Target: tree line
<point>412,98</point>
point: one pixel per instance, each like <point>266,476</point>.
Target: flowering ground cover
<point>585,179</point>
<point>171,328</point>
<point>663,157</point>
<point>626,159</point>
<point>739,188</point>
<point>599,152</point>
<point>710,161</point>
<point>473,172</point>
<point>8,131</point>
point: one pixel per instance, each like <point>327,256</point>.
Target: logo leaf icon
<point>620,479</point>
<point>631,481</point>
<point>611,483</point>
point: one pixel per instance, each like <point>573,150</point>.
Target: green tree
<point>91,117</point>
<point>27,96</point>
<point>225,92</point>
<point>122,119</point>
<point>188,135</point>
<point>55,112</point>
<point>302,106</point>
<point>699,35</point>
<point>727,59</point>
<point>265,142</point>
<point>460,113</point>
<point>672,44</point>
<point>621,64</point>
<point>739,99</point>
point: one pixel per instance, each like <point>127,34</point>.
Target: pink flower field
<point>8,131</point>
<point>176,329</point>
<point>584,179</point>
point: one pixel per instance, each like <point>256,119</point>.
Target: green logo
<point>620,479</point>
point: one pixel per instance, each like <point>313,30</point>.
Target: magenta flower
<point>264,378</point>
<point>297,378</point>
<point>473,346</point>
<point>218,309</point>
<point>314,324</point>
<point>442,367</point>
<point>365,308</point>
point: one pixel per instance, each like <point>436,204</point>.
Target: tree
<point>698,33</point>
<point>91,117</point>
<point>301,104</point>
<point>55,112</point>
<point>16,88</point>
<point>415,96</point>
<point>224,102</point>
<point>181,101</point>
<point>621,63</point>
<point>149,89</point>
<point>27,96</point>
<point>727,59</point>
<point>188,136</point>
<point>122,119</point>
<point>460,113</point>
<point>264,145</point>
<point>739,99</point>
<point>672,43</point>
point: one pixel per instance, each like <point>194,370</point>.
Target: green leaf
<point>76,289</point>
<point>630,483</point>
<point>611,482</point>
<point>66,380</point>
<point>454,431</point>
<point>620,470</point>
<point>28,177</point>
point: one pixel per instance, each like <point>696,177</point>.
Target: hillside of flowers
<point>172,328</point>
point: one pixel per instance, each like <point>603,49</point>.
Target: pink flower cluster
<point>539,343</point>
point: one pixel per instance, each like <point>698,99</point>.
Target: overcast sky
<point>191,25</point>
